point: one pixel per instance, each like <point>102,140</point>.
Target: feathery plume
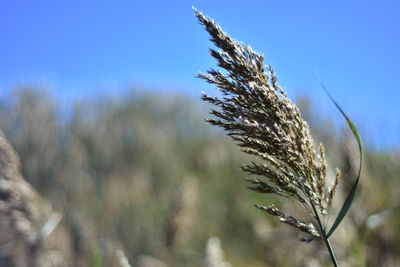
<point>256,113</point>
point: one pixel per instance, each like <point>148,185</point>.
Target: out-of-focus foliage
<point>145,175</point>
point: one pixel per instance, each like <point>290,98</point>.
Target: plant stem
<point>331,252</point>
<point>324,237</point>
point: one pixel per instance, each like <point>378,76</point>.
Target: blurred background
<point>101,103</point>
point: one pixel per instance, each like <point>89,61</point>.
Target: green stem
<point>325,238</point>
<point>331,252</point>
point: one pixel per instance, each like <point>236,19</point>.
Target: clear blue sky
<point>82,48</point>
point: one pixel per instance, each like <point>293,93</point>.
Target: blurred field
<point>145,175</point>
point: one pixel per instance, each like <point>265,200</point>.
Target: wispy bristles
<point>258,115</point>
<point>332,191</point>
<point>302,226</point>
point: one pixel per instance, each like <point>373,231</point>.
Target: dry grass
<point>257,114</point>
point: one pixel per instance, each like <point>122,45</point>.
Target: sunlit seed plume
<point>256,112</point>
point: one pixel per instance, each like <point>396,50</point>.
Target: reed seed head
<point>256,113</point>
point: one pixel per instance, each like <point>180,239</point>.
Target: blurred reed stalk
<point>256,113</point>
<point>23,231</point>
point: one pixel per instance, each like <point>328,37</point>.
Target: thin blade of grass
<point>350,197</point>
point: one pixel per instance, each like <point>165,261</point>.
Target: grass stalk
<point>325,238</point>
<point>258,115</point>
<point>330,249</point>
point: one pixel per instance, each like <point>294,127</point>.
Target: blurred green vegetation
<point>145,174</point>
